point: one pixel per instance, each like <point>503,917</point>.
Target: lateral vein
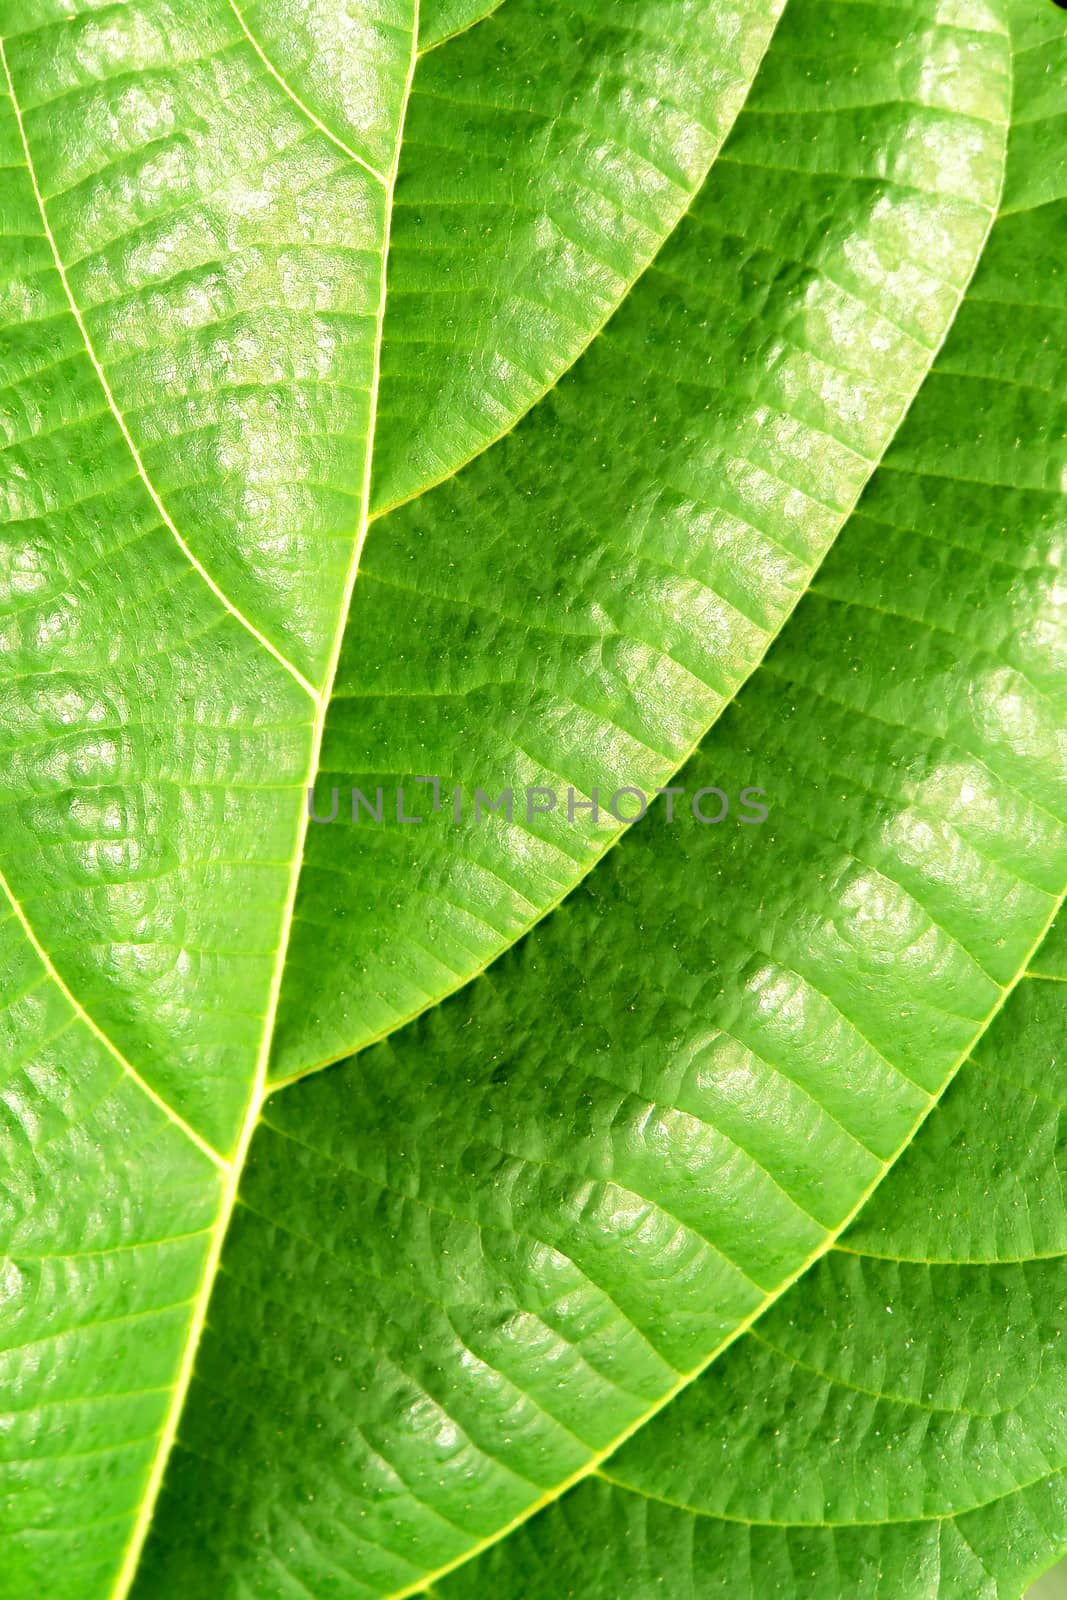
<point>98,1032</point>
<point>468,27</point>
<point>302,105</point>
<point>116,412</point>
<point>597,332</point>
<point>835,1527</point>
<point>132,1558</point>
<point>594,1466</point>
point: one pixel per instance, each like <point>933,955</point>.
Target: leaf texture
<point>894,1426</point>
<point>678,487</point>
<point>639,1128</point>
<point>385,394</point>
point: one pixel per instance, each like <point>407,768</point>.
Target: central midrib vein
<point>89,1021</point>
<point>132,1558</point>
<point>116,411</point>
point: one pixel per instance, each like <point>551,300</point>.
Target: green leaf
<point>270,272</point>
<point>576,606</point>
<point>468,1265</point>
<point>548,154</point>
<point>1050,1586</point>
<point>896,1424</point>
<point>441,19</point>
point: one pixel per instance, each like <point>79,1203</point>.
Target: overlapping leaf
<point>467,1263</point>
<point>576,606</point>
<point>896,1426</point>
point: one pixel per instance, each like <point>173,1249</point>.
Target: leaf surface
<point>575,607</point>
<point>466,1264</point>
<point>469,1263</point>
<point>896,1424</point>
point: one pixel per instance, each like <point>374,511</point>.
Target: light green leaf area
<point>477,393</point>
<point>467,1266</point>
<point>895,1426</point>
<point>441,19</point>
<point>576,606</point>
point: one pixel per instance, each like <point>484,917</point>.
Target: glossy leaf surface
<point>476,393</point>
<point>896,1424</point>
